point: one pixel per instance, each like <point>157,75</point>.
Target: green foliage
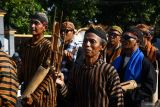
<point>107,12</point>
<point>77,11</point>
<point>142,11</point>
<point>125,13</point>
<point>85,10</point>
<point>18,12</point>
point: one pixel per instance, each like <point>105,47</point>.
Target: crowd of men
<point>91,74</point>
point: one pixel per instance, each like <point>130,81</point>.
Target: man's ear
<point>104,44</point>
<point>46,27</point>
<point>103,47</point>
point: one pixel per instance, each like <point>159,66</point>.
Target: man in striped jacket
<point>34,53</point>
<point>8,81</point>
<point>92,82</point>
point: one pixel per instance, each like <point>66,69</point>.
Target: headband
<point>99,33</point>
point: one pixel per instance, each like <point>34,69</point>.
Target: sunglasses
<point>65,30</point>
<point>112,34</point>
<point>127,37</point>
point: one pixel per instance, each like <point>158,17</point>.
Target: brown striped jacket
<point>33,55</point>
<point>8,81</point>
<point>97,85</point>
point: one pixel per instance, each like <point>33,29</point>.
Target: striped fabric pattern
<point>8,81</point>
<point>42,95</point>
<point>33,55</point>
<point>94,86</point>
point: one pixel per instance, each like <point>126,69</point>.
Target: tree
<point>18,13</point>
<point>129,12</point>
<point>107,12</point>
<point>77,11</point>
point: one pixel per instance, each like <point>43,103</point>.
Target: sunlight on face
<point>92,45</point>
<point>36,27</point>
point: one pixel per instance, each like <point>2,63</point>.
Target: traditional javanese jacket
<point>96,85</point>
<point>34,55</point>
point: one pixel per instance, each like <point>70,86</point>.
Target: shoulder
<point>157,53</point>
<point>7,61</point>
<point>108,68</point>
<point>4,56</point>
<point>146,61</point>
<point>110,73</point>
<point>79,63</point>
<point>46,41</point>
<point>45,44</point>
<point>147,65</point>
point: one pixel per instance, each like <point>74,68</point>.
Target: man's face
<point>114,38</point>
<point>92,45</point>
<point>36,27</point>
<point>67,34</point>
<point>128,42</point>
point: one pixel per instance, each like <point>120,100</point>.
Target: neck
<point>130,51</point>
<point>91,60</point>
<point>113,46</point>
<point>37,37</point>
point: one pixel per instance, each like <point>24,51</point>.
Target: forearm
<point>63,90</point>
<point>116,94</point>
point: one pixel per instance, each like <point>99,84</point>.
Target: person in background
<point>156,42</point>
<point>79,36</point>
<point>114,43</point>
<point>133,65</point>
<point>67,32</point>
<point>17,60</point>
<point>70,48</point>
<point>35,53</point>
<point>149,50</point>
<point>92,82</point>
<point>8,80</point>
